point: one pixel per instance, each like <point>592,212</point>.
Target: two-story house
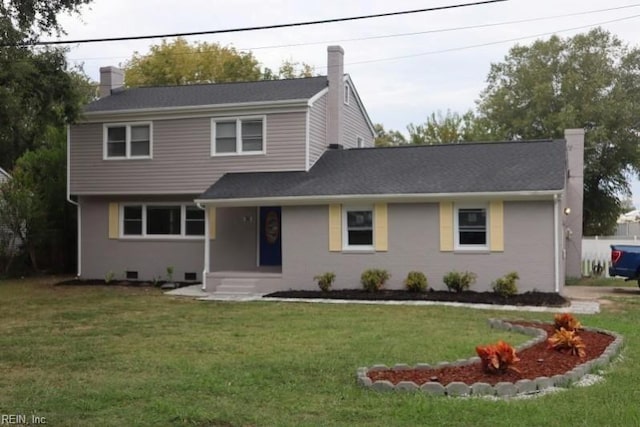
<point>263,185</point>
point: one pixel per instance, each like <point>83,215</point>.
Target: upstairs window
<point>127,141</point>
<point>359,142</point>
<point>245,135</point>
<point>347,94</point>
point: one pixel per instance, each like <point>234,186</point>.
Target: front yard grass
<point>132,356</point>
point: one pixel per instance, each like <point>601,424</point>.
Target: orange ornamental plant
<point>566,321</point>
<point>568,342</point>
<point>497,358</point>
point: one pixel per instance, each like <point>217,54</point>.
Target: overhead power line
<point>455,49</point>
<point>415,33</point>
<point>262,27</point>
<point>444,30</point>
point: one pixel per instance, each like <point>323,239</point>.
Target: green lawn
<point>120,356</point>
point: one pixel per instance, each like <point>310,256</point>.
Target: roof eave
<point>195,109</point>
<point>389,198</point>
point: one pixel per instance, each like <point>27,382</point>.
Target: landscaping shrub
<point>325,280</point>
<point>506,286</point>
<point>416,281</point>
<point>374,279</point>
<point>567,341</point>
<point>566,321</point>
<point>497,358</point>
<point>459,282</point>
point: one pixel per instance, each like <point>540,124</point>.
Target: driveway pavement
<point>598,292</point>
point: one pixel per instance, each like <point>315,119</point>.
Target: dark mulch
<point>127,283</point>
<point>536,361</point>
<point>528,298</point>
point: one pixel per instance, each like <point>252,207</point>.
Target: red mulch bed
<point>535,361</point>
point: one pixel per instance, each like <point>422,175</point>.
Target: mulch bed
<point>546,299</point>
<point>536,361</point>
<point>126,283</point>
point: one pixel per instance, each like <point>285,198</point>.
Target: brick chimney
<point>110,78</point>
<point>573,201</point>
<point>335,97</point>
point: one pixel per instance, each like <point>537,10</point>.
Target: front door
<point>270,236</point>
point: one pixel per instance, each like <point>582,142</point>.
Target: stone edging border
<point>501,389</point>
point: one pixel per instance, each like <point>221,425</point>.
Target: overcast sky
<point>401,78</point>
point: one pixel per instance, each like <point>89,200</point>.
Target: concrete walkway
<point>578,305</point>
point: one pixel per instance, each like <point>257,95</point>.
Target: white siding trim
<point>354,92</point>
<point>307,140</point>
<point>389,198</point>
<point>317,96</point>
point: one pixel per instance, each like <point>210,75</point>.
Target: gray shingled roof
<point>209,94</point>
<point>433,169</point>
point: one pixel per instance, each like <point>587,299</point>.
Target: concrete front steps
<point>240,285</point>
<point>235,288</point>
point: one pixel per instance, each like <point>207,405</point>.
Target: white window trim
<point>456,231</point>
<point>238,120</point>
<point>127,126</point>
<point>347,94</point>
<point>359,142</point>
<point>345,229</point>
<point>145,236</point>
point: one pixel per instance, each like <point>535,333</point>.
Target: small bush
<point>416,281</point>
<point>566,321</point>
<point>374,279</point>
<point>567,341</point>
<point>108,278</point>
<point>325,281</point>
<point>459,282</point>
<point>506,286</point>
<point>497,358</point>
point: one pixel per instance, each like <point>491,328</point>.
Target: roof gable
<point>526,166</point>
<point>164,97</point>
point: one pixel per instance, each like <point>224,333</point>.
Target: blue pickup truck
<point>625,262</point>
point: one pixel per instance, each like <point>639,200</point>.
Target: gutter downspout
<point>79,209</point>
<point>207,243</point>
<point>556,242</point>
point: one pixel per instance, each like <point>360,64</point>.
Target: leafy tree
<point>37,98</point>
<point>178,63</point>
<point>36,92</point>
<point>448,128</point>
<point>384,138</point>
<point>33,203</point>
<point>589,81</point>
<point>291,70</point>
<point>23,20</point>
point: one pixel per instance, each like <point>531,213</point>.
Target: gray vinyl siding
<point>355,124</point>
<point>150,258</point>
<point>181,160</point>
<point>317,129</point>
<point>413,233</point>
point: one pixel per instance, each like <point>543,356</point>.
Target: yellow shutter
<point>381,239</point>
<point>335,228</point>
<point>446,226</point>
<point>212,223</point>
<point>114,221</point>
<point>496,226</point>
